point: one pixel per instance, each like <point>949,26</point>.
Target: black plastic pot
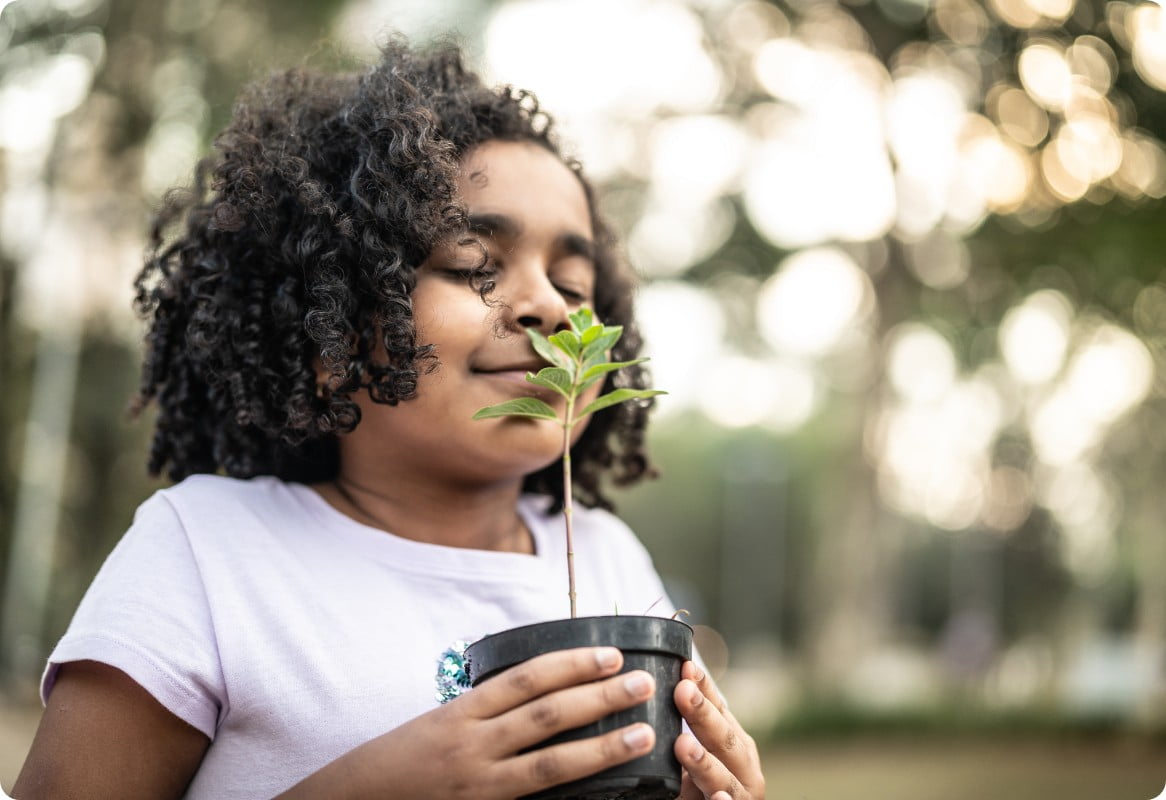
<point>654,644</point>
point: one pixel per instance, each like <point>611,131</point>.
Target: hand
<point>721,762</point>
<point>471,747</point>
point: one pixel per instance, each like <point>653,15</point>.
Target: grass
<point>870,767</point>
<point>834,752</point>
<point>840,721</point>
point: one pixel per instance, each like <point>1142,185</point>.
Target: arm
<point>721,762</point>
<point>104,736</point>
<point>472,747</point>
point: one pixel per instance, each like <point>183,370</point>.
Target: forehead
<point>526,181</point>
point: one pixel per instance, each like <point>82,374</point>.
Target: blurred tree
<point>932,231</point>
<point>106,105</point>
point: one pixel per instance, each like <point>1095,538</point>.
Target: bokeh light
<point>697,157</point>
<point>673,233</point>
<point>811,300</point>
<point>668,313</point>
<point>820,169</point>
<point>1020,118</point>
<point>1110,373</point>
<point>655,58</point>
<point>915,261</point>
<point>739,391</point>
<point>1034,336</point>
<point>1046,75</point>
<point>920,363</point>
<point>1147,23</point>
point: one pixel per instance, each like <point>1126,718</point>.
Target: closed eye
<point>465,274</point>
<point>462,274</point>
<point>572,295</point>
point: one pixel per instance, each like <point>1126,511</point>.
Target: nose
<point>536,303</point>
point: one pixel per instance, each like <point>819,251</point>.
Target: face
<point>530,214</point>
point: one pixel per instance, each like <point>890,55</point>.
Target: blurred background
<point>904,277</point>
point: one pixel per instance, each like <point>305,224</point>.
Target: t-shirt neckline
<point>410,554</point>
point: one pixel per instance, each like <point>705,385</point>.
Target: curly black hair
<point>297,247</point>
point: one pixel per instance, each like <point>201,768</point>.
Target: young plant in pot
<point>578,359</point>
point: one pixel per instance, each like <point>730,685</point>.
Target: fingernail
<point>695,697</point>
<point>606,657</point>
<point>697,675</point>
<point>637,738</point>
<point>638,684</point>
<point>696,752</point>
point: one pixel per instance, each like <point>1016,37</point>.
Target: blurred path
<point>939,768</point>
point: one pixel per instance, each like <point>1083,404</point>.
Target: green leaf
<point>615,398</point>
<point>589,335</point>
<point>603,342</point>
<point>519,407</point>
<point>568,342</point>
<point>547,351</point>
<point>582,320</point>
<point>597,371</point>
<point>555,378</point>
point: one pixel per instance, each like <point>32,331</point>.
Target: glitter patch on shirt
<point>452,678</point>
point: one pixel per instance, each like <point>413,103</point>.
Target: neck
<point>479,518</point>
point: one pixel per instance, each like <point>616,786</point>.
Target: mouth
<point>508,375</point>
<point>514,374</point>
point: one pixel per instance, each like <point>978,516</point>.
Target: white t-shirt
<point>289,633</point>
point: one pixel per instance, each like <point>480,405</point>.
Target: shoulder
<point>220,487</point>
<point>204,513</point>
<point>216,496</point>
<point>201,508</point>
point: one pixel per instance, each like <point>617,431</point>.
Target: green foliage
<point>579,357</point>
<point>555,378</point>
<point>615,398</point>
<point>520,407</point>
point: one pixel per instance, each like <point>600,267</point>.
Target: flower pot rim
<point>662,635</point>
<point>569,621</point>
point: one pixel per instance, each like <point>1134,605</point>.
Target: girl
<point>347,284</point>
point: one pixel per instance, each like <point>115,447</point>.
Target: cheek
<point>451,316</point>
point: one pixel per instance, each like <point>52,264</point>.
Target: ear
<point>326,380</point>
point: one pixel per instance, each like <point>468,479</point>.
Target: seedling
<point>579,358</point>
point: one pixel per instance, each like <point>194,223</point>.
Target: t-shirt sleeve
<point>146,614</point>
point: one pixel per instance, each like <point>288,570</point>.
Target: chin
<point>526,445</point>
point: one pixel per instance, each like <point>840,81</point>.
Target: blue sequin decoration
<point>452,679</point>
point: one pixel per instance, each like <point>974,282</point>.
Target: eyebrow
<point>488,224</point>
<point>577,245</point>
<point>504,226</point>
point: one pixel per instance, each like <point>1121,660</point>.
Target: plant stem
<point>567,502</point>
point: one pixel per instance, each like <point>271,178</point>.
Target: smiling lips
<point>514,373</point>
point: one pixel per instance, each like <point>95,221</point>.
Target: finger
<point>541,674</point>
<point>566,709</point>
<point>550,766</point>
<point>716,730</point>
<point>706,772</point>
<point>688,790</point>
<point>694,673</point>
